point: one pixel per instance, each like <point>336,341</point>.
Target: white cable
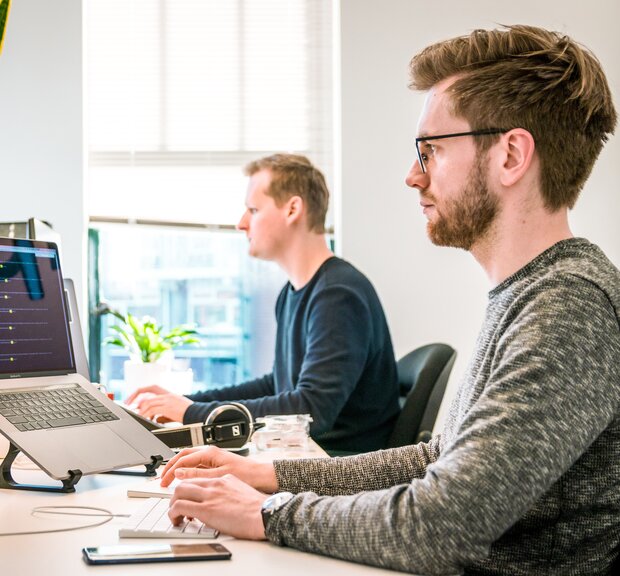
<point>58,510</point>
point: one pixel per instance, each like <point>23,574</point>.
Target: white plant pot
<point>180,381</point>
<point>139,374</point>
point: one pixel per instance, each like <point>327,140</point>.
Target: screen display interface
<point>34,331</point>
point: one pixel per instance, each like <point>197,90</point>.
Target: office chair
<point>422,377</point>
<point>615,567</point>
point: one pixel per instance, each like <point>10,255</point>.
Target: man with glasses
<point>524,478</point>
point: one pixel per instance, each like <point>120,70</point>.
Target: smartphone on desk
<point>134,553</point>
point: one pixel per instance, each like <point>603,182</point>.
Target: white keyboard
<point>151,521</point>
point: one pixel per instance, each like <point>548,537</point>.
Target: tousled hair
<point>294,175</point>
<point>531,78</point>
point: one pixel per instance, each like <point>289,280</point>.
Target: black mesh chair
<point>422,376</point>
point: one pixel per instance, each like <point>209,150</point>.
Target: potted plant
<point>149,346</point>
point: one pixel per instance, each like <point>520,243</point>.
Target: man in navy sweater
<point>334,358</point>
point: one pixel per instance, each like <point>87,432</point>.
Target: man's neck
<point>303,258</point>
<point>515,241</point>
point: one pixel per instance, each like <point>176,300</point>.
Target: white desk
<point>59,554</point>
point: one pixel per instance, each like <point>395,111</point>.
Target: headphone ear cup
<point>230,425</point>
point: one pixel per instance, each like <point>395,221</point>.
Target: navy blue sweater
<point>334,360</point>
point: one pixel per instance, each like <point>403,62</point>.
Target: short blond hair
<point>295,175</point>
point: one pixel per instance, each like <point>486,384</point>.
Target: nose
<point>416,178</point>
<point>243,223</point>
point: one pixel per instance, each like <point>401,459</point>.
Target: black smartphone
<point>134,553</point>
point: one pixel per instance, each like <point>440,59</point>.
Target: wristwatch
<point>272,504</point>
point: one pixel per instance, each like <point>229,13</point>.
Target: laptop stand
<point>68,484</point>
<point>150,468</point>
<point>7,481</point>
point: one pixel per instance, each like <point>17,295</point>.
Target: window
<point>188,276</point>
<point>181,94</point>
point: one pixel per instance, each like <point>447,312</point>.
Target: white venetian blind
<point>182,93</point>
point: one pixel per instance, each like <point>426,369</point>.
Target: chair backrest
<point>423,375</point>
<point>615,567</point>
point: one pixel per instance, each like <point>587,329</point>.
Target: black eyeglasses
<point>425,156</point>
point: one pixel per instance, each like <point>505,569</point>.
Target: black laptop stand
<point>151,468</point>
<point>68,484</point>
<point>7,481</point>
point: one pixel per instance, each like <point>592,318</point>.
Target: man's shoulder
<point>338,271</point>
<point>574,281</point>
<point>582,266</point>
<point>572,265</point>
<point>339,282</point>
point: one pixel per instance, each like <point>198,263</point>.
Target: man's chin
<point>441,237</point>
<point>257,254</point>
<point>434,236</point>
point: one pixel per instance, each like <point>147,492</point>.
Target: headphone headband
<point>228,426</point>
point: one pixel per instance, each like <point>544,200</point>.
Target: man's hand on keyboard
<point>212,462</point>
<point>226,504</point>
<point>157,402</point>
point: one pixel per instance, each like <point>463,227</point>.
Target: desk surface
<point>59,554</point>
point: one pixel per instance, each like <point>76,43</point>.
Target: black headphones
<point>228,426</point>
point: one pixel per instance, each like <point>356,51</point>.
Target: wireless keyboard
<point>151,521</point>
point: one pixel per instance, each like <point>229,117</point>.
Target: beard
<point>464,220</point>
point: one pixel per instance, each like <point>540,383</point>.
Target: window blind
<point>182,93</point>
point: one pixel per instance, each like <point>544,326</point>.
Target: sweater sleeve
<point>553,391</point>
<point>371,471</point>
<point>205,402</point>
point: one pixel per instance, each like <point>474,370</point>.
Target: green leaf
<point>114,342</point>
<point>145,336</point>
<point>5,7</point>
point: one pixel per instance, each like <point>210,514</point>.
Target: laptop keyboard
<point>53,407</point>
<point>151,521</point>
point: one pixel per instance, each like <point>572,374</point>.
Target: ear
<point>517,154</point>
<point>294,209</point>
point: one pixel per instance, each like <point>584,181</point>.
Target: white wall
<point>41,122</point>
<point>430,293</point>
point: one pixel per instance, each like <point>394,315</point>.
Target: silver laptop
<point>48,408</point>
<point>75,329</point>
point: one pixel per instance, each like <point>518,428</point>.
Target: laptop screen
<point>34,331</point>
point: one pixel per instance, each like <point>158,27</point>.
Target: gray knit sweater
<point>525,477</point>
